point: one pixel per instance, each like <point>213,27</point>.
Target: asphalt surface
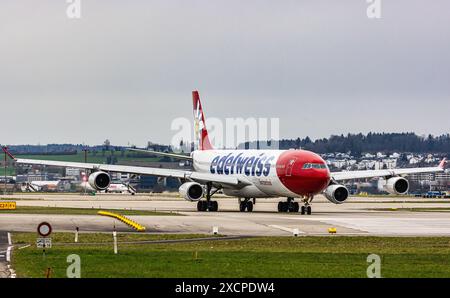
<point>358,216</point>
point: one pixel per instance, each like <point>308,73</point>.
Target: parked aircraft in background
<point>36,186</point>
<point>114,187</point>
<point>248,174</point>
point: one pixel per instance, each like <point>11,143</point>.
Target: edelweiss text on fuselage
<point>248,165</point>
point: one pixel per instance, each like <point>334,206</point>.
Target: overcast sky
<point>126,69</point>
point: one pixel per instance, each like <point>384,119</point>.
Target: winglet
<point>5,149</point>
<point>442,163</point>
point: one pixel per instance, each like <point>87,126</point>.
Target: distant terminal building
<point>10,184</point>
<point>427,177</point>
<point>33,177</point>
<point>437,181</point>
<point>73,172</point>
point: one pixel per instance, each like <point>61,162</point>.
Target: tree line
<point>371,142</point>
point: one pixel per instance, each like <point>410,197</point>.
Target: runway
<point>353,218</point>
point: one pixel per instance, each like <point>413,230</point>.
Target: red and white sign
<point>44,229</point>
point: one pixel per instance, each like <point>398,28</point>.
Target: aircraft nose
<point>319,179</point>
<point>303,172</point>
<point>315,178</point>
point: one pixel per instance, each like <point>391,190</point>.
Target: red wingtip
<point>5,149</point>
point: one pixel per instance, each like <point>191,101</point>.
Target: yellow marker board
<point>7,205</point>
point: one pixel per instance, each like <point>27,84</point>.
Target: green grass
<point>84,238</point>
<point>79,211</point>
<point>98,158</point>
<point>9,171</point>
<point>251,257</point>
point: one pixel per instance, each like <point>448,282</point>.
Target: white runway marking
<point>8,254</point>
<point>9,239</point>
<point>285,229</point>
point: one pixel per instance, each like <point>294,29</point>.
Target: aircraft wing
<point>189,175</point>
<point>337,176</point>
<point>165,154</point>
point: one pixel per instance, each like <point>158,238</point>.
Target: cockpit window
<point>314,166</point>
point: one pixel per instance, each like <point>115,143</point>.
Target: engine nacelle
<point>191,191</point>
<point>396,186</point>
<point>336,193</point>
<point>99,180</point>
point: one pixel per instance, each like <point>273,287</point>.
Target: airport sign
<point>8,206</point>
<point>44,242</point>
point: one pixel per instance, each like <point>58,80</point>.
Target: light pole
<point>85,170</point>
<point>4,151</point>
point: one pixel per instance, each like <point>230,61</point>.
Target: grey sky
<point>127,68</point>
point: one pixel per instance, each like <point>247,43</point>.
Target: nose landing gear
<point>306,209</point>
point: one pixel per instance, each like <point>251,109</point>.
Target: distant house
<point>368,155</point>
<point>395,155</point>
<point>414,160</point>
<point>381,155</point>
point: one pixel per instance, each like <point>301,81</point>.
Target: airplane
<point>35,186</point>
<point>248,174</point>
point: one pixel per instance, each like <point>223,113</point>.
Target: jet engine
<point>336,193</point>
<point>99,180</point>
<point>191,191</point>
<point>396,185</point>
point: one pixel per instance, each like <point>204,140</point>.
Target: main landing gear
<point>208,205</point>
<point>288,206</point>
<point>291,206</point>
<point>246,204</point>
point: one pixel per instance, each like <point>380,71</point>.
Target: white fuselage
<point>257,167</point>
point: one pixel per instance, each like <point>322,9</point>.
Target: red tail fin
<point>5,149</point>
<point>201,133</point>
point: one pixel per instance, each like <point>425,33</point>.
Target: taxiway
<point>358,216</point>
